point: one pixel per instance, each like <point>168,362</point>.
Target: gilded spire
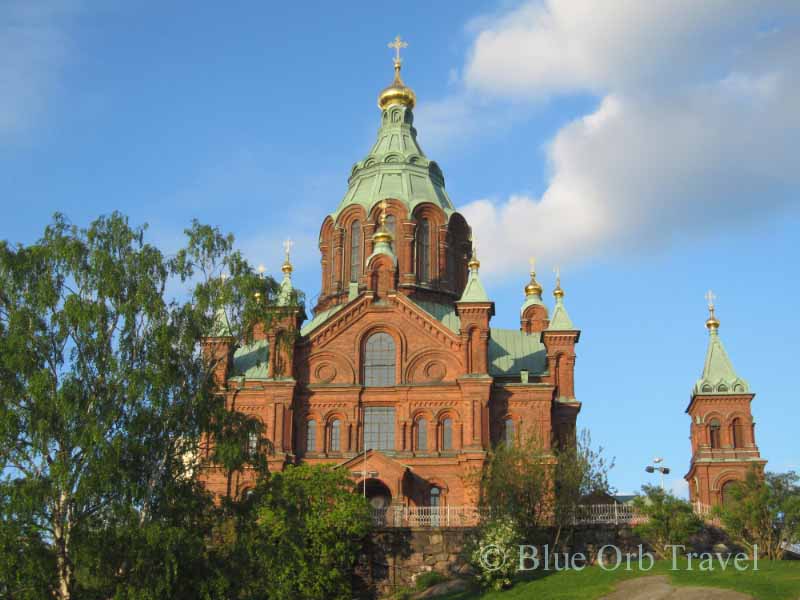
<point>286,289</point>
<point>397,92</point>
<point>533,288</point>
<point>558,292</point>
<point>474,264</point>
<point>712,323</point>
<point>287,248</point>
<point>383,235</point>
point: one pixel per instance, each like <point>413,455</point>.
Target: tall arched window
<point>738,433</point>
<point>355,250</point>
<point>713,433</point>
<point>335,442</point>
<point>424,250</point>
<point>447,434</point>
<point>311,436</point>
<point>252,444</point>
<point>508,432</point>
<point>422,434</point>
<point>379,361</point>
<point>436,496</point>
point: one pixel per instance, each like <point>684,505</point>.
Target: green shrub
<point>431,578</point>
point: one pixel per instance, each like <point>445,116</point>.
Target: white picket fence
<point>470,516</point>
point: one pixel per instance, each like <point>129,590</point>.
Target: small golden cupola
<point>398,92</point>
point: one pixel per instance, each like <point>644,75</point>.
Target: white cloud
<point>33,52</point>
<point>679,487</point>
<point>695,129</point>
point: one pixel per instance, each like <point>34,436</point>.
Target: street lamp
<point>657,466</point>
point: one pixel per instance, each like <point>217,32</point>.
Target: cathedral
<point>400,377</point>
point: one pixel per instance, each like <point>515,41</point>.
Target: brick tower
<point>722,429</point>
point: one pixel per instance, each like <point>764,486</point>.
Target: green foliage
<point>431,578</point>
<point>515,484</point>
<point>492,552</point>
<point>305,536</point>
<point>670,520</point>
<point>107,397</point>
<point>580,472</point>
<point>763,511</point>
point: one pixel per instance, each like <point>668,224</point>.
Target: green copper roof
<point>320,318</point>
<point>530,300</point>
<point>474,291</point>
<point>221,326</point>
<point>719,376</point>
<point>560,320</point>
<point>396,167</point>
<point>511,350</point>
<point>250,361</point>
<point>285,291</point>
<point>444,313</point>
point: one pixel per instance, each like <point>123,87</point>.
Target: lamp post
<point>657,466</point>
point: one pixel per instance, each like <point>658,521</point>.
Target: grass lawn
<point>774,580</point>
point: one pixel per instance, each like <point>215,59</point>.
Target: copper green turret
<point>396,167</point>
<point>719,376</point>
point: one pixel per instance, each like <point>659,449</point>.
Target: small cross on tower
<point>710,297</point>
<point>397,44</point>
<point>287,247</point>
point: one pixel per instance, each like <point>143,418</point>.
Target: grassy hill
<point>774,580</point>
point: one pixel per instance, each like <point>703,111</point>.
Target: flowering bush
<point>492,553</point>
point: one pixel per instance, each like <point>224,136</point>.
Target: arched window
<point>379,361</point>
<point>311,436</point>
<point>422,434</point>
<point>738,433</point>
<point>252,444</point>
<point>508,432</point>
<point>727,491</point>
<point>436,496</point>
<point>355,250</point>
<point>713,433</point>
<point>424,250</point>
<point>447,434</point>
<point>451,265</point>
<point>335,443</point>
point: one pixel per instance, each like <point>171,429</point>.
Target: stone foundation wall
<point>393,558</point>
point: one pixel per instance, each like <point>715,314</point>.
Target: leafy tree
<point>670,520</point>
<point>580,472</point>
<point>305,536</point>
<point>515,484</point>
<point>540,488</point>
<point>106,399</point>
<point>763,511</point>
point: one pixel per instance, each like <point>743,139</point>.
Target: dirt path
<point>658,587</point>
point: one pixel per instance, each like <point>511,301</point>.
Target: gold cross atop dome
<point>398,92</point>
<point>287,248</point>
<point>712,323</point>
<point>558,292</point>
<point>397,44</point>
<point>533,288</point>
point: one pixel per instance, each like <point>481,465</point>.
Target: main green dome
<point>396,167</point>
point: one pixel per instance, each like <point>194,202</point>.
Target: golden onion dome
<point>533,288</point>
<point>558,292</point>
<point>382,236</point>
<point>712,322</point>
<point>397,93</point>
<point>286,267</point>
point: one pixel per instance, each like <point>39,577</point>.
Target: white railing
<point>470,516</point>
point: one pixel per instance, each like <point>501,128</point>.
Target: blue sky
<point>651,153</point>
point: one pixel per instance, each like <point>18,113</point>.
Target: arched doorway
<point>378,495</point>
<point>726,494</point>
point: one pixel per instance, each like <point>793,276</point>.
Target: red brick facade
<point>448,370</point>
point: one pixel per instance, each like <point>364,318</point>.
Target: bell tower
<point>722,426</point>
